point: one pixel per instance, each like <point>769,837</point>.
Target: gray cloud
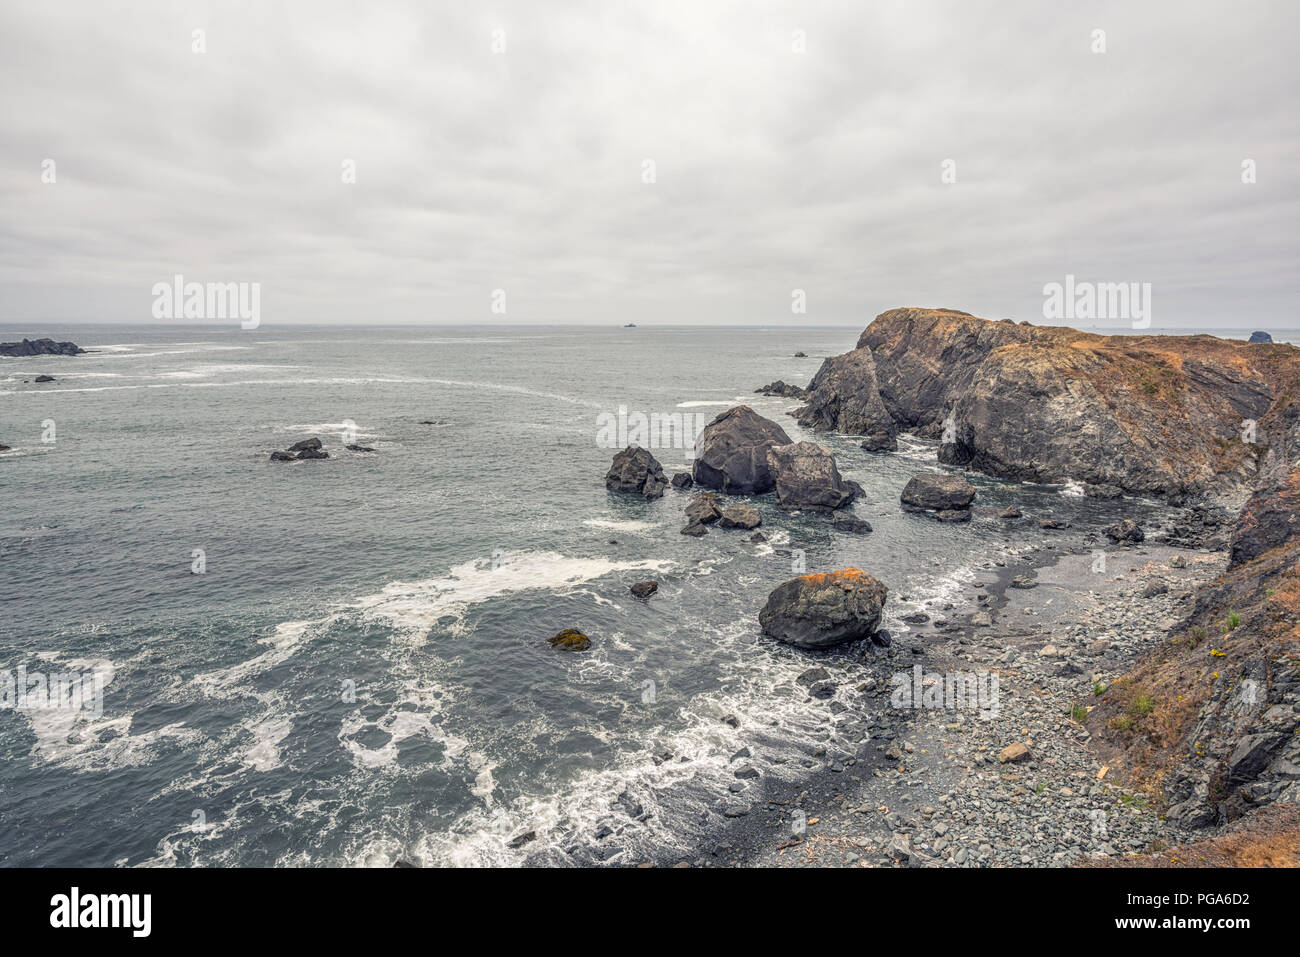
<point>522,170</point>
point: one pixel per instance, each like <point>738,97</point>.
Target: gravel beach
<point>899,786</point>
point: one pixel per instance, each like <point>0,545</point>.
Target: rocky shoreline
<point>1111,723</point>
<point>897,787</point>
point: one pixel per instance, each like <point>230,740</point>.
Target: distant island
<point>629,325</point>
<point>40,347</point>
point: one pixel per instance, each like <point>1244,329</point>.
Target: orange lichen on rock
<point>844,576</point>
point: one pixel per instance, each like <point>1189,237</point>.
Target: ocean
<point>344,661</point>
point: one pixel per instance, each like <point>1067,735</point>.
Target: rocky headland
<point>1147,709</point>
<point>1198,733</point>
<point>1159,416</point>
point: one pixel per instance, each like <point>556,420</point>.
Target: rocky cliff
<point>1168,416</point>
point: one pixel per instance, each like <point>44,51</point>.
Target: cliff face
<point>1219,734</point>
<point>1155,415</point>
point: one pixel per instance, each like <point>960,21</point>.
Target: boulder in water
<point>636,470</point>
<point>644,590</point>
<point>880,441</point>
<point>305,444</point>
<point>683,480</point>
<point>854,526</point>
<point>805,477</point>
<point>783,389</point>
<point>570,640</point>
<point>936,492</point>
<point>821,610</point>
<point>731,452</point>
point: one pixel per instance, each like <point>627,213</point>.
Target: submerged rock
<point>854,526</point>
<point>1010,512</point>
<point>936,492</point>
<point>636,470</point>
<point>316,453</point>
<point>695,530</point>
<point>817,611</point>
<point>359,448</point>
<point>806,477</point>
<point>570,640</point>
<point>731,452</point>
<point>519,840</point>
<point>45,378</point>
<point>282,456</point>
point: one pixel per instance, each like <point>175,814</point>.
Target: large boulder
<point>731,452</point>
<point>636,470</point>
<point>817,611</point>
<point>936,492</point>
<point>806,478</point>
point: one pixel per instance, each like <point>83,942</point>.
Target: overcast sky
<point>774,169</point>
